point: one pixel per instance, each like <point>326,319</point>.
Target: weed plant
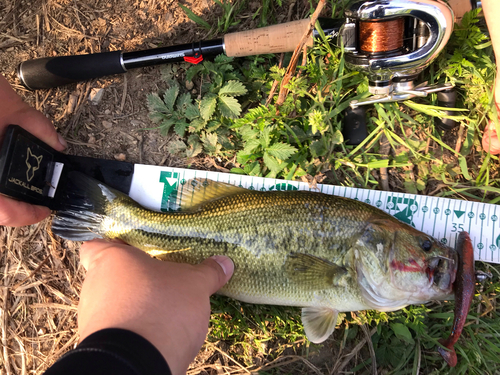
<point>231,121</point>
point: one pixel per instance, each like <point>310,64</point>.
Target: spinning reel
<point>392,42</point>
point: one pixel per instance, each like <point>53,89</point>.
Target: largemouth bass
<point>324,253</point>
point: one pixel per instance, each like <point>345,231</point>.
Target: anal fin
<point>319,323</point>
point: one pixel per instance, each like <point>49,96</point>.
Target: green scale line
<point>453,213</point>
<point>435,219</point>
<point>481,235</point>
<point>470,218</point>
<point>423,218</point>
<point>447,217</point>
<point>493,234</point>
<point>380,199</point>
<point>182,190</point>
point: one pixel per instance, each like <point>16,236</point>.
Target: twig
<point>124,95</point>
<point>4,317</point>
<point>460,135</point>
<point>31,274</point>
<point>385,148</point>
<point>295,57</point>
<point>370,348</point>
<point>231,359</point>
<point>357,348</point>
<point>275,83</point>
<point>419,359</point>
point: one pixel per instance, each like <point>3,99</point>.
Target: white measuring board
<point>157,188</point>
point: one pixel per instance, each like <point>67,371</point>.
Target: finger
<point>38,125</point>
<point>90,250</point>
<point>115,249</point>
<point>17,214</point>
<point>218,270</point>
<point>16,111</point>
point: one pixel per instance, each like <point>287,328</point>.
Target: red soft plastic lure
<point>464,291</point>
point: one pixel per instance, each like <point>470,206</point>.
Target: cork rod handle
<point>271,39</point>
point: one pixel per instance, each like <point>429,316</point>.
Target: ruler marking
<point>494,218</point>
<point>479,219</point>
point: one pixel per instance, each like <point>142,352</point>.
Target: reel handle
<point>48,72</point>
<point>354,129</point>
<point>447,99</point>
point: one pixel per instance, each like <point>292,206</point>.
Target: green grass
<point>303,137</point>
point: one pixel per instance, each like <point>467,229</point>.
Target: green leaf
<point>318,148</point>
<point>253,169</point>
<point>209,142</point>
<point>242,157</point>
<point>193,71</point>
<point>170,96</point>
<point>155,104</point>
<point>198,124</point>
<point>273,165</point>
<point>251,145</point>
<point>176,147</point>
<point>183,101</point>
<point>180,128</point>
<point>281,151</point>
<point>265,137</point>
<point>207,106</point>
<point>166,125</point>
<point>464,168</point>
<point>191,111</point>
<point>237,170</point>
<point>402,332</point>
<point>337,138</point>
<point>158,117</point>
<point>193,17</point>
<point>194,147</point>
<point>223,59</point>
<point>233,88</point>
<point>229,106</point>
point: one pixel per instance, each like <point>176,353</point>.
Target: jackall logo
<point>33,163</point>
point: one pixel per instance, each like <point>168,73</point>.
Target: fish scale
<point>321,252</point>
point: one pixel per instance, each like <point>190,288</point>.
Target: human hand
<point>490,140</point>
<point>13,110</point>
<point>166,303</point>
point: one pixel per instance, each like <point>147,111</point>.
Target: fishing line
<point>381,36</point>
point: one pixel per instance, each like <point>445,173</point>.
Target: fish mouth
<point>442,271</point>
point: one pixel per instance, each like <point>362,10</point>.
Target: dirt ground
<point>41,277</point>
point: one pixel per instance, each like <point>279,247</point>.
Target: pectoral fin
<point>319,323</point>
<point>312,273</point>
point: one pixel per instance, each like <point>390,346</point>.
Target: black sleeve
<point>112,351</point>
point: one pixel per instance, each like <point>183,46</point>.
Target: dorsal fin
<point>198,191</point>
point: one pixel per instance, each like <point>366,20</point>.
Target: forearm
<point>112,351</point>
<point>491,10</point>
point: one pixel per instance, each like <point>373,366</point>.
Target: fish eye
<point>427,245</point>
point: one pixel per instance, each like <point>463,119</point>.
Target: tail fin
<point>82,208</point>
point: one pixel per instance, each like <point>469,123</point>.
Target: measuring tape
<point>160,189</point>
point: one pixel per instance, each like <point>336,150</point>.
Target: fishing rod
<point>48,72</point>
<point>389,41</point>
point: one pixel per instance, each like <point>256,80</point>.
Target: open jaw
<point>441,272</point>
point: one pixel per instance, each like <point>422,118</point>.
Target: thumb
<point>16,213</point>
<point>218,270</point>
